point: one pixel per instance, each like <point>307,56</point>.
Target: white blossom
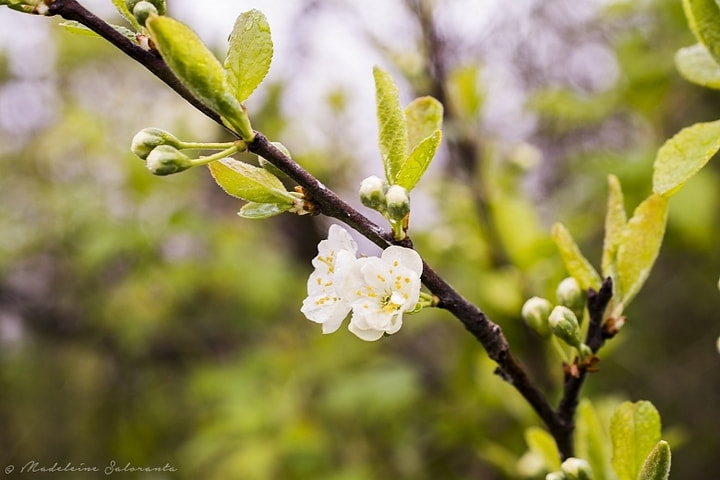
<point>381,289</point>
<point>324,303</point>
<point>377,290</point>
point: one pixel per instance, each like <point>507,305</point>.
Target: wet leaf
<point>393,135</point>
<point>249,55</point>
<point>684,155</point>
<point>575,263</point>
<point>248,182</point>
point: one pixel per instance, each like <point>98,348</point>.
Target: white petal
<point>341,238</point>
<point>368,335</point>
<point>329,314</point>
<point>401,256</point>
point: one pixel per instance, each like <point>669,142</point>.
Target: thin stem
<point>208,146</point>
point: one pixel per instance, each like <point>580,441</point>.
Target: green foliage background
<point>142,321</point>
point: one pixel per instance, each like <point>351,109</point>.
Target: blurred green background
<point>142,321</point>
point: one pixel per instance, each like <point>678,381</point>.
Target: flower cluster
<point>378,290</point>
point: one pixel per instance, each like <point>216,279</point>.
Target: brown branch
<point>489,334</point>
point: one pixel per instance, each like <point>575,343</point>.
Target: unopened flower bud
<point>535,312</point>
<point>564,325</point>
<point>160,5</point>
<point>149,138</point>
<point>166,160</point>
<point>576,469</point>
<point>571,295</point>
<point>556,476</point>
<point>143,10</point>
<point>372,193</point>
<point>397,201</point>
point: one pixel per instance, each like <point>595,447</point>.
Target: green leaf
<point>248,182</point>
<point>615,221</point>
<point>78,28</point>
<point>393,135</point>
<point>257,211</point>
<point>634,431</point>
<point>249,55</point>
<point>575,263</point>
<point>704,20</point>
<point>591,441</point>
<point>424,116</point>
<point>121,7</point>
<point>698,66</point>
<point>198,69</point>
<point>684,155</point>
<point>542,443</point>
<point>418,161</point>
<point>657,464</point>
<point>640,244</point>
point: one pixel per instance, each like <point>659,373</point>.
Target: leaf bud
<point>148,138</point>
<point>143,10</point>
<point>160,5</point>
<point>166,160</point>
<point>576,469</point>
<point>397,201</point>
<point>657,463</point>
<point>535,312</point>
<point>372,193</point>
<point>564,325</point>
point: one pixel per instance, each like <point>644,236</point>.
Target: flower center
<point>392,302</point>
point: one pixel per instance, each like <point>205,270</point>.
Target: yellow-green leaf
<point>248,182</point>
<point>249,55</point>
<point>640,244</point>
<point>575,263</point>
<point>418,161</point>
<point>697,65</point>
<point>657,464</point>
<point>423,116</point>
<point>634,431</point>
<point>704,20</point>
<point>78,28</point>
<point>121,6</point>
<point>684,155</point>
<point>392,129</point>
<point>257,211</point>
<point>198,69</point>
<point>542,443</point>
<point>615,221</point>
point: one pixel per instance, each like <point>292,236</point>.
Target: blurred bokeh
<point>142,321</point>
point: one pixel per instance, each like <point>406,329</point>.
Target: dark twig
<point>597,302</point>
<point>489,334</point>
